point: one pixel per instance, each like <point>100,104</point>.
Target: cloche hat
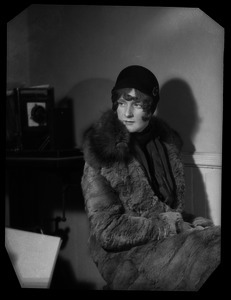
<point>139,78</point>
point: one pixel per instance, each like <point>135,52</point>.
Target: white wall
<point>81,49</point>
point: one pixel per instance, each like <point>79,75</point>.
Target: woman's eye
<point>138,105</point>
<point>121,103</point>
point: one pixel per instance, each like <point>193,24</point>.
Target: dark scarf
<point>150,152</point>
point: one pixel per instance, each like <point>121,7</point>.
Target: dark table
<point>25,181</point>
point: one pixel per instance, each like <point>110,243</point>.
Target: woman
<point>133,185</point>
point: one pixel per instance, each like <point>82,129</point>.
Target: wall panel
<point>203,185</point>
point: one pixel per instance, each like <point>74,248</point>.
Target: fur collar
<point>108,141</point>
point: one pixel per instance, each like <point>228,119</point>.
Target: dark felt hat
<point>139,78</point>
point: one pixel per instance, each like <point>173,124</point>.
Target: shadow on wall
<point>65,278</point>
<point>178,107</point>
<point>90,98</point>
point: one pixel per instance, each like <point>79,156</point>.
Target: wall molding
<point>202,159</point>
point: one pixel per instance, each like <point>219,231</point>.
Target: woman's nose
<point>129,111</point>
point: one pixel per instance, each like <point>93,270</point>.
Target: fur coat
<point>128,223</point>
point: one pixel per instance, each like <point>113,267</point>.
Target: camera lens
<point>38,114</point>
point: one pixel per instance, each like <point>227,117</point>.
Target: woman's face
<point>130,112</point>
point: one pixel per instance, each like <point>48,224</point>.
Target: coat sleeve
<point>109,224</point>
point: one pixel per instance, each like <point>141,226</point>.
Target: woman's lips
<point>128,122</point>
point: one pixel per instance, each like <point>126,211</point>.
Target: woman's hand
<point>174,224</point>
<point>203,222</point>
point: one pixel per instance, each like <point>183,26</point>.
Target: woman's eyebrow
<point>129,98</point>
